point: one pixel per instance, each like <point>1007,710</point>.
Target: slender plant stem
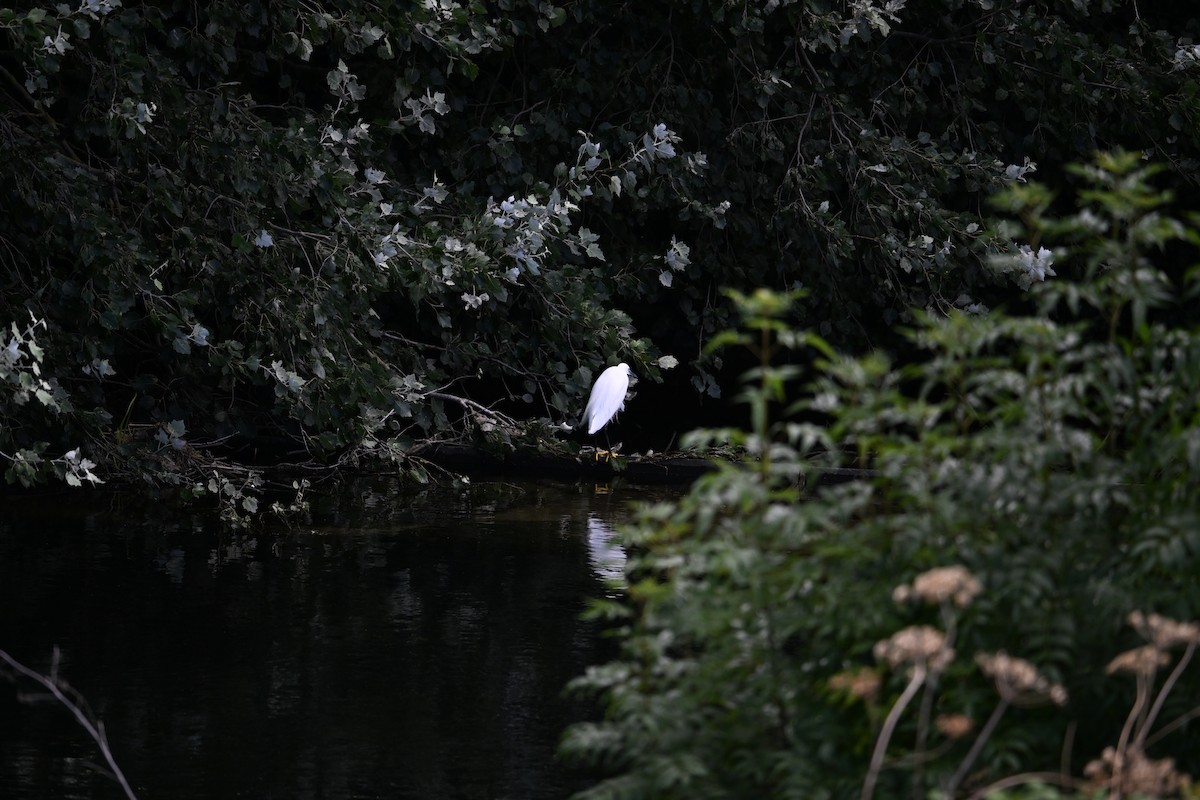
<point>1176,723</point>
<point>94,728</point>
<point>1064,767</point>
<point>1139,704</point>
<point>889,727</point>
<point>950,621</point>
<point>1168,685</point>
<point>918,773</point>
<point>1145,685</point>
<point>965,767</point>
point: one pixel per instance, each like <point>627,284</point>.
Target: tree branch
<point>73,702</point>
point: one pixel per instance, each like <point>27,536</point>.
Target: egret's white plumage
<point>608,397</point>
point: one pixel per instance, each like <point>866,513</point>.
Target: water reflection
<point>414,646</point>
<point>605,554</point>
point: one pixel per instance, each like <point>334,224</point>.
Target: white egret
<point>607,398</point>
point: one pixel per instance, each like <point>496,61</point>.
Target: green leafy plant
<point>1049,456</point>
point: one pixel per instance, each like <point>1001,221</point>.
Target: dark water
<point>401,647</point>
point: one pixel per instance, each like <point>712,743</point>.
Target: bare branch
<point>61,691</point>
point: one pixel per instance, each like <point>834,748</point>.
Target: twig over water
<point>74,702</point>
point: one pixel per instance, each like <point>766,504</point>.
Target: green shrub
<point>1032,478</point>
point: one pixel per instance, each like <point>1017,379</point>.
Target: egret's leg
<point>607,453</point>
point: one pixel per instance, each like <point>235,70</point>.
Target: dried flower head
<point>1019,681</point>
<point>1135,774</point>
<point>919,644</point>
<point>953,726</point>
<point>1144,660</point>
<point>953,584</point>
<point>1164,632</point>
<point>861,683</point>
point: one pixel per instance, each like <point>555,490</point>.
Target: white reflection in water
<point>607,557</point>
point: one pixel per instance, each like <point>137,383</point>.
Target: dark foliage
<point>248,233</point>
